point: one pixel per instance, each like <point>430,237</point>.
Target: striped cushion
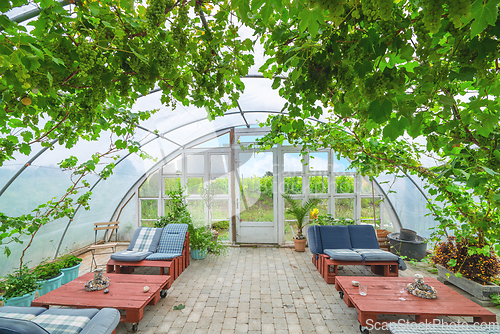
<point>163,256</point>
<point>20,312</point>
<point>145,239</point>
<point>24,316</point>
<point>172,238</point>
<point>61,324</point>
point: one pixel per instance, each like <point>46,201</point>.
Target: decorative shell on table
<point>420,289</point>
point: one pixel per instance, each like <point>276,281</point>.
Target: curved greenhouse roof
<point>79,83</point>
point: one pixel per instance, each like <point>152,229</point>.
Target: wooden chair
<point>110,228</point>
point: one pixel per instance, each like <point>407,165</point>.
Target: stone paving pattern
<point>255,290</point>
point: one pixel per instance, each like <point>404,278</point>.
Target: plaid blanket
<point>144,240</point>
<point>172,238</point>
<point>61,324</point>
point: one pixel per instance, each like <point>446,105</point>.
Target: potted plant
<point>70,266</point>
<point>199,241</point>
<point>300,211</point>
<point>459,263</point>
<point>49,276</point>
<point>19,287</point>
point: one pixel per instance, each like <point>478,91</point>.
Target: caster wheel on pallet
<point>134,327</point>
<point>163,293</point>
<point>364,330</point>
<point>341,294</point>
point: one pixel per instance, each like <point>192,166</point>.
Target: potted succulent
<point>19,287</point>
<point>49,276</point>
<point>300,211</point>
<point>70,266</point>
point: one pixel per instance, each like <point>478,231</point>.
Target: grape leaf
<point>484,14</point>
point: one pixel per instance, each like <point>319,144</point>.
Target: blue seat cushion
<point>343,254</point>
<point>145,239</point>
<point>334,237</point>
<point>314,240</point>
<point>130,256</point>
<point>376,255</point>
<point>19,326</point>
<point>172,238</point>
<point>163,256</point>
<point>363,237</point>
<point>20,312</point>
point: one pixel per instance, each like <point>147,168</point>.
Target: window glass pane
<point>221,141</point>
<point>367,209</point>
<point>148,223</point>
<point>320,209</point>
<point>366,186</point>
<point>194,185</point>
<point>344,208</point>
<point>248,139</point>
<point>196,164</point>
<point>344,184</point>
<point>318,184</point>
<point>174,166</point>
<point>172,184</point>
<point>219,163</point>
<point>149,208</point>
<point>293,185</point>
<point>196,209</point>
<point>220,209</point>
<point>318,161</point>
<point>222,227</point>
<point>292,162</point>
<point>220,185</point>
<point>167,205</point>
<point>341,165</point>
<point>150,187</point>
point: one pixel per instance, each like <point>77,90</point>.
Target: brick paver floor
<point>254,290</point>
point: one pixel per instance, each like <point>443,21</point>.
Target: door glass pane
<point>318,161</point>
<point>220,185</point>
<point>344,184</point>
<point>290,222</point>
<point>219,163</point>
<point>318,184</point>
<point>293,185</point>
<point>256,187</point>
<point>367,209</point>
<point>220,209</point>
<point>151,186</point>
<point>174,166</point>
<point>196,164</point>
<point>172,184</point>
<point>194,185</point>
<point>292,162</point>
<point>149,208</point>
<point>344,208</point>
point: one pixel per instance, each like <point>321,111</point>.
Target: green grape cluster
<point>377,9</point>
<point>178,29</point>
<point>432,12</point>
<point>87,57</point>
<point>387,30</point>
<point>163,60</point>
<point>458,9</point>
<point>423,37</point>
<point>156,13</point>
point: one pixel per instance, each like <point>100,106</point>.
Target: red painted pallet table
<point>383,298</point>
<point>126,292</point>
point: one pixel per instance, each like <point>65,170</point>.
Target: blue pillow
<point>335,237</point>
<point>363,237</point>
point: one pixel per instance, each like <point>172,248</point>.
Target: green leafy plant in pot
<point>50,276</point>
<point>300,211</point>
<point>70,266</point>
<point>202,243</point>
<point>19,287</point>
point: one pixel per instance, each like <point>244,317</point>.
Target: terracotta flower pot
<point>300,245</point>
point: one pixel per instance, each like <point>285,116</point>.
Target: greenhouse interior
<point>291,167</point>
